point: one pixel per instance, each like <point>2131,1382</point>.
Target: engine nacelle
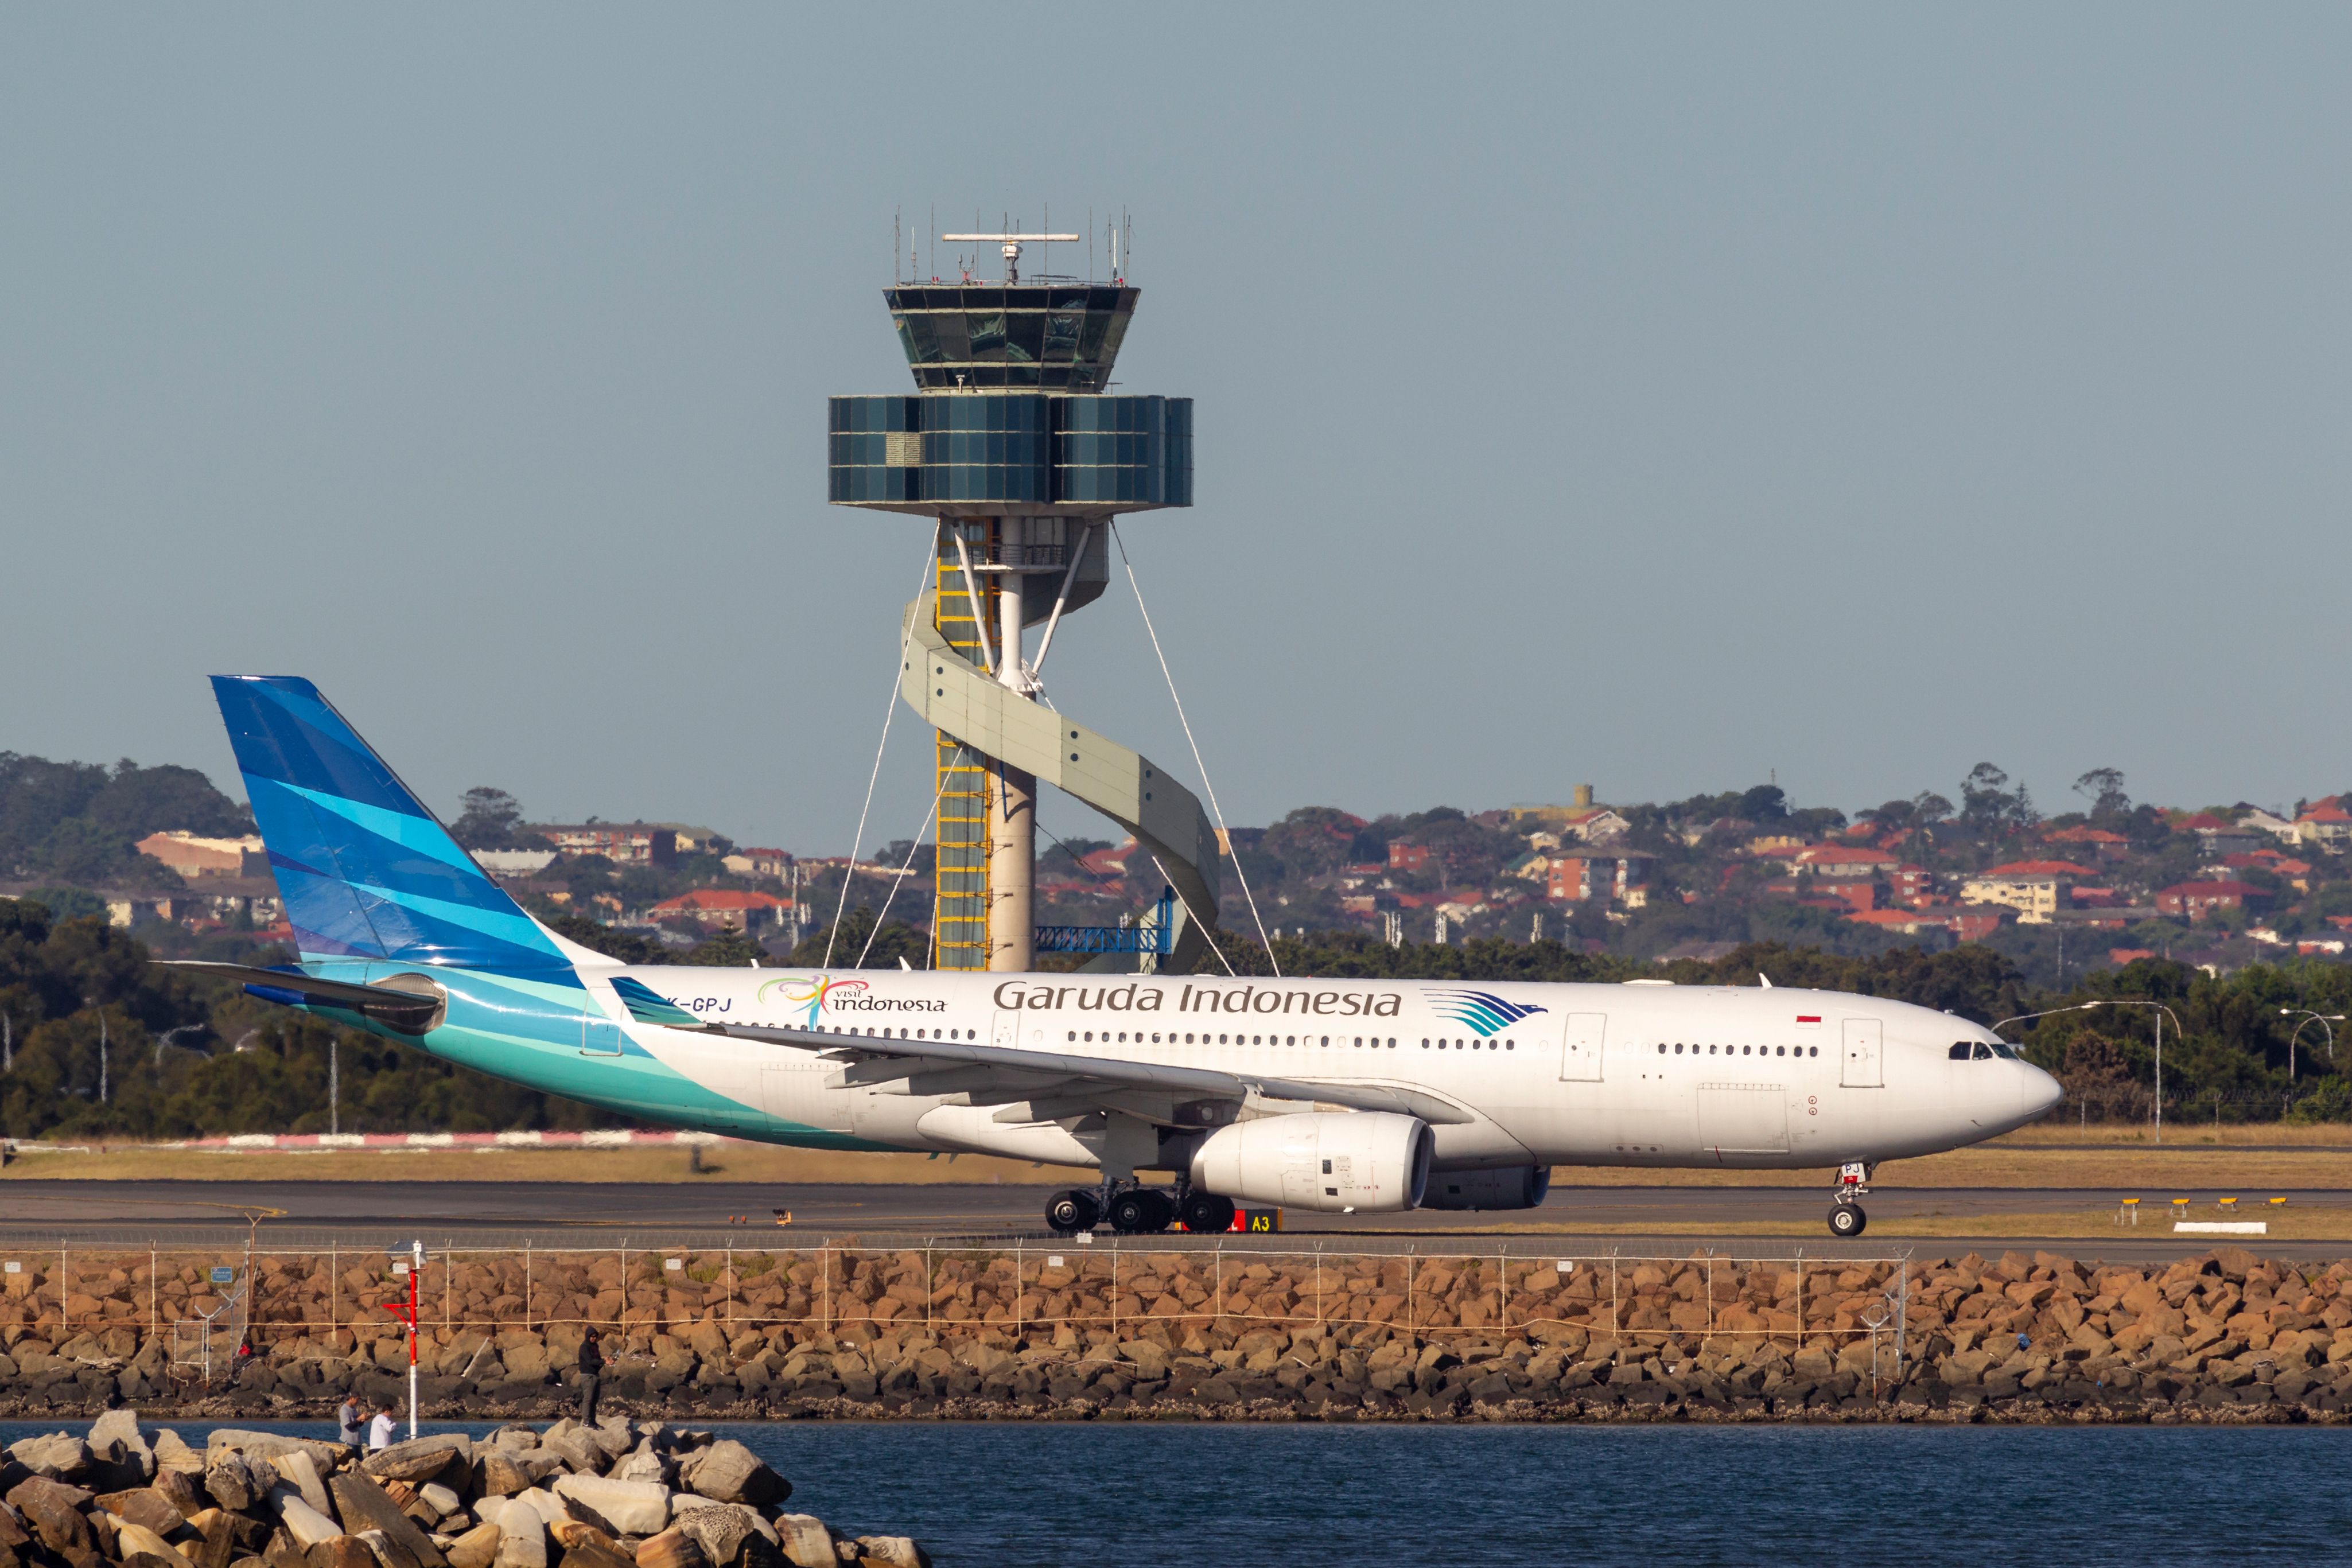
<point>1372,1162</point>
<point>1520,1186</point>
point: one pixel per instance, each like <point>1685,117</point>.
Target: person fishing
<point>591,1368</point>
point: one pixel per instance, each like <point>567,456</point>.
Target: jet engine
<point>1520,1186</point>
<point>1328,1161</point>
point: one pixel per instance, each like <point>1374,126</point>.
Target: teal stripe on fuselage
<point>527,1032</point>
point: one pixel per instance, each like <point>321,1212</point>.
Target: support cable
<point>913,849</point>
<point>1169,883</point>
<point>1203,767</point>
<point>849,872</point>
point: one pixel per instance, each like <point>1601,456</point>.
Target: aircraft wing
<point>1046,1083</point>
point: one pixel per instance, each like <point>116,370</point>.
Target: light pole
<point>2308,1018</point>
<point>2163,1012</point>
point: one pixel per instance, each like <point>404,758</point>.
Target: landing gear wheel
<point>1073,1211</point>
<point>1206,1212</point>
<point>1140,1210</point>
<point>1847,1220</point>
<point>1163,1209</point>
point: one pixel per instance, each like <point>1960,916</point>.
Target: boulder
<point>364,1506</point>
<point>119,1430</point>
<point>585,1546</point>
<point>137,1541</point>
<point>182,1491</point>
<point>646,1464</point>
<point>305,1524</point>
<point>301,1472</point>
<point>673,1548</point>
<point>215,1542</point>
<point>59,1455</point>
<point>387,1553</point>
<point>419,1458</point>
<point>478,1548</point>
<point>236,1485</point>
<point>173,1454</point>
<point>719,1529</point>
<point>570,1441</point>
<point>522,1537</point>
<point>441,1500</point>
<point>145,1507</point>
<point>730,1472</point>
<point>501,1476</point>
<point>897,1550</point>
<point>807,1541</point>
<point>271,1445</point>
<point>54,1511</point>
<point>340,1551</point>
<point>635,1508</point>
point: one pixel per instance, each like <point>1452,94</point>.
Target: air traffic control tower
<point>1016,449</point>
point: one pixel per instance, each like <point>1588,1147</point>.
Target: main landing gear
<point>1846,1218</point>
<point>1134,1209</point>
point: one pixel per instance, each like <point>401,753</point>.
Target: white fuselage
<point>1639,1074</point>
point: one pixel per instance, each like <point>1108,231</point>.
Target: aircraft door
<point>1863,1067</point>
<point>599,1036</point>
<point>1580,1053</point>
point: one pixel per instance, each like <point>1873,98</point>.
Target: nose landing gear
<point>1847,1219</point>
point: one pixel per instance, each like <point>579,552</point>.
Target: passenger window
<point>1510,1045</point>
<point>1779,1051</point>
<point>1661,1047</point>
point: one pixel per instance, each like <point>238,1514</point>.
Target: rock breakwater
<point>1104,1334</point>
<point>615,1495</point>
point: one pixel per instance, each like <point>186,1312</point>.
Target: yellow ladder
<point>959,903</point>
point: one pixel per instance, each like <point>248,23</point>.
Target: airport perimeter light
<point>2164,1012</point>
<point>2308,1018</point>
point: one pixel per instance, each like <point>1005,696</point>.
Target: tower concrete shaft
<point>1012,822</point>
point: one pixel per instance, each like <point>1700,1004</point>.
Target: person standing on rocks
<point>381,1429</point>
<point>351,1419</point>
<point>591,1368</point>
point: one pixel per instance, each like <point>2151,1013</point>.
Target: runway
<point>291,1214</point>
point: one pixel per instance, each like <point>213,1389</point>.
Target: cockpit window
<point>1960,1051</point>
<point>1983,1051</point>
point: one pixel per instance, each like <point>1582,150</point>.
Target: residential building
<point>1911,884</point>
<point>2196,900</point>
<point>1840,862</point>
<point>193,857</point>
<point>2261,822</point>
<point>2035,889</point>
<point>2090,840</point>
<point>1775,846</point>
<point>1619,876</point>
<point>2218,834</point>
<point>623,843</point>
<point>2326,823</point>
<point>757,862</point>
<point>220,900</point>
<point>505,864</point>
<point>1906,922</point>
<point>1584,819</point>
<point>716,906</point>
<point>1404,855</point>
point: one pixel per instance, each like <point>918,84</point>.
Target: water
<point>1049,1494</point>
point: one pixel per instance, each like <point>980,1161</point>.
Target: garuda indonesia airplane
<point>1338,1096</point>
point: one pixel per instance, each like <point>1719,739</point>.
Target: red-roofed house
<point>2326,823</point>
<point>717,907</point>
<point>2035,889</point>
<point>1912,885</point>
<point>2195,900</point>
<point>2087,840</point>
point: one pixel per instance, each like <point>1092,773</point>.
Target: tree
<point>2104,787</point>
<point>1764,803</point>
<point>492,820</point>
<point>1988,808</point>
<point>728,948</point>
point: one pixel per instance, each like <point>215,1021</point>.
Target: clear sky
<point>1656,396</point>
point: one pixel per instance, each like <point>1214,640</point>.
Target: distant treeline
<point>96,1042</point>
<point>75,823</point>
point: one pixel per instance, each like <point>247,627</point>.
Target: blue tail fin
<point>365,870</point>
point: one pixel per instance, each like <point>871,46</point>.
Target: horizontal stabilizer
<point>292,988</point>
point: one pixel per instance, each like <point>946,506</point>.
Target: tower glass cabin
<point>1018,455</point>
